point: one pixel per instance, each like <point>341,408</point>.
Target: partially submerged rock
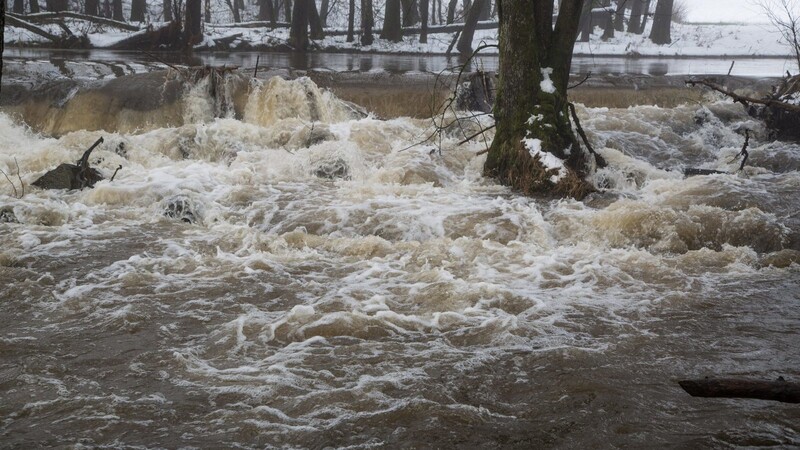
<point>333,169</point>
<point>72,176</point>
<point>182,208</point>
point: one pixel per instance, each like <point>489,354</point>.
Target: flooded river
<point>298,275</point>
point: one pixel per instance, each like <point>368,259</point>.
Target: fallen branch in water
<point>13,186</point>
<point>601,162</point>
<point>743,99</point>
<point>779,390</point>
<point>115,173</point>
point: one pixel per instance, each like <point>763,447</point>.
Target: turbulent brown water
<point>406,302</point>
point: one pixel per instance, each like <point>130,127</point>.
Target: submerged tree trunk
<point>391,22</point>
<point>367,22</point>
<point>662,23</point>
<point>465,41</point>
<point>423,35</point>
<point>533,132</point>
<point>138,9</point>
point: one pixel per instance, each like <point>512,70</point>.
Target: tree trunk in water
<point>298,34</point>
<point>531,108</point>
<point>117,5</point>
<point>635,23</point>
<point>323,12</point>
<point>662,22</point>
<point>410,12</point>
<point>90,7</point>
<point>192,26</point>
<point>423,35</point>
<point>391,22</point>
<point>451,11</point>
<point>465,41</point>
<point>18,8</point>
<point>314,20</point>
<point>367,22</point>
<point>351,21</point>
<point>138,8</point>
<point>167,10</point>
<point>207,11</point>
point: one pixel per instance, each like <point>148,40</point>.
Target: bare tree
<point>34,4</point>
<point>351,21</point>
<point>138,10</point>
<point>662,23</point>
<point>391,22</point>
<point>785,16</point>
<point>423,35</point>
<point>367,22</point>
<point>468,32</point>
<point>680,11</point>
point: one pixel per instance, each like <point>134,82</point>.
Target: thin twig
<point>588,75</point>
<point>115,173</point>
<point>601,162</point>
<point>9,180</point>
<point>19,177</point>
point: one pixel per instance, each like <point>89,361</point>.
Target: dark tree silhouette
<point>410,12</point>
<point>90,7</point>
<point>351,21</point>
<point>635,22</point>
<point>367,22</point>
<point>662,23</point>
<point>423,35</point>
<point>18,7</point>
<point>34,5</point>
<point>192,26</point>
<point>117,15</point>
<point>304,14</point>
<point>468,33</point>
<point>138,10</point>
<point>391,22</point>
<point>451,11</point>
<point>167,10</point>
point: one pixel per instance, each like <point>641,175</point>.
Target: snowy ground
<point>750,39</point>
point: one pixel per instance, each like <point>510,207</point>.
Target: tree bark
<point>287,10</point>
<point>234,7</point>
<point>266,11</point>
<point>138,9</point>
<point>635,22</point>
<point>423,35</point>
<point>314,20</point>
<point>351,21</point>
<point>323,12</point>
<point>528,107</point>
<point>391,22</point>
<point>167,10</point>
<point>645,16</point>
<point>468,33</point>
<point>451,11</point>
<point>662,22</point>
<point>367,22</point>
<point>298,34</point>
<point>410,12</point>
<point>117,5</point>
<point>34,5</point>
<point>619,15</point>
<point>90,7</point>
<point>585,25</point>
<point>780,390</point>
<point>57,5</point>
<point>192,26</point>
<point>486,11</point>
<point>608,22</point>
<point>18,8</point>
<point>2,38</point>
<point>207,11</point>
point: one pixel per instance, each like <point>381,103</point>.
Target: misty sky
<point>724,11</point>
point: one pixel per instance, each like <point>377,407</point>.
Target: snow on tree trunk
<point>391,22</point>
<point>535,149</point>
<point>660,34</point>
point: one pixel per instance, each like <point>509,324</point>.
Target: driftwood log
<point>779,390</point>
<point>72,176</point>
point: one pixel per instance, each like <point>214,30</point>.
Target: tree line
<point>310,20</point>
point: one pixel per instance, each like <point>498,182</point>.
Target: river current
<point>303,276</point>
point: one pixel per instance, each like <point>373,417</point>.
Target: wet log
<point>692,172</point>
<point>72,176</point>
<point>779,390</point>
<point>169,36</point>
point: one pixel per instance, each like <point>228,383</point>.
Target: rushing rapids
<point>292,273</point>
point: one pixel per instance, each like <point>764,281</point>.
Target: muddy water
<point>406,301</point>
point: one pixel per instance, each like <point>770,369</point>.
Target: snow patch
<point>547,84</point>
<point>548,160</point>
